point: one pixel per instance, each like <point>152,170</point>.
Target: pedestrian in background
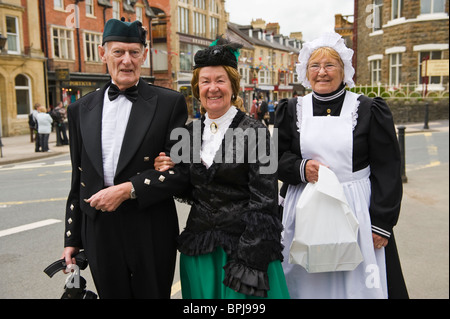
<point>59,115</point>
<point>32,123</point>
<point>254,109</point>
<point>355,137</point>
<point>263,112</point>
<point>44,122</point>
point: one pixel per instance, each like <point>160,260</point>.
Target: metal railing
<point>411,91</point>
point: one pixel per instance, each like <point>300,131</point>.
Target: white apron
<point>329,140</point>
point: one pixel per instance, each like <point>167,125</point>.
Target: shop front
<point>69,87</point>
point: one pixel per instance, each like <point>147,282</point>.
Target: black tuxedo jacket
<point>153,116</point>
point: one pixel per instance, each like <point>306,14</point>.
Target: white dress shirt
<point>114,123</point>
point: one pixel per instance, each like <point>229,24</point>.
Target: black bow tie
<point>130,93</point>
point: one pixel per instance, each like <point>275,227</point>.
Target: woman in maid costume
<point>231,246</point>
<point>354,136</point>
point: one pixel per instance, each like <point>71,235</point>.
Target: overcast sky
<point>311,17</point>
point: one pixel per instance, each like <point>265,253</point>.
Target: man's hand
<point>109,199</point>
<point>68,254</point>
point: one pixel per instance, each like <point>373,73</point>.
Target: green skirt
<point>202,278</point>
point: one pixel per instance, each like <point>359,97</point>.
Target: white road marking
<point>26,227</point>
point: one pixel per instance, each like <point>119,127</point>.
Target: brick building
<point>393,37</point>
<point>22,76</point>
<point>71,31</point>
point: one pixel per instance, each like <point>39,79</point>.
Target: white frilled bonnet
<point>334,41</point>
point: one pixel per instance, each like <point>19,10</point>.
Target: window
<point>430,55</point>
<point>397,9</point>
<point>63,44</point>
<point>432,6</point>
<point>90,7</point>
<point>92,41</point>
<point>213,27</point>
<point>199,24</point>
<point>116,9</point>
<point>12,33</point>
<point>58,4</point>
<point>395,67</point>
<point>183,20</point>
<point>264,76</point>
<point>201,4</point>
<point>375,69</point>
<point>282,78</point>
<point>213,7</point>
<point>183,1</point>
<point>245,75</point>
<point>377,14</point>
<point>187,53</point>
<point>23,95</point>
<point>139,14</point>
<point>160,61</point>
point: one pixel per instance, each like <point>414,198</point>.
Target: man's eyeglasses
<point>118,53</point>
<point>316,67</point>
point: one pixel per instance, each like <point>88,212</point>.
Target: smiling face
<point>215,90</point>
<point>325,71</point>
<point>124,62</point>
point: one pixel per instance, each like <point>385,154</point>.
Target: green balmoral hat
<point>121,31</point>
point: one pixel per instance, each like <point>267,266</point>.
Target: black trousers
<point>130,254</point>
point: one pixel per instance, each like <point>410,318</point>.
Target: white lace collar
<point>213,139</point>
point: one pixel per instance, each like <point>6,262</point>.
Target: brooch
<point>214,127</point>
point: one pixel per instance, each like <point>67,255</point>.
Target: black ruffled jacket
<point>235,207</point>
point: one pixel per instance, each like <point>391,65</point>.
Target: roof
<point>267,40</point>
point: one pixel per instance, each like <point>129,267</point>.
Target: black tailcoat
<point>131,251</point>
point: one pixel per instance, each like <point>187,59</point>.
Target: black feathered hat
<point>220,52</point>
<point>121,31</point>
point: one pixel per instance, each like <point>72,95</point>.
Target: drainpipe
<point>355,40</point>
<point>77,26</point>
<point>43,20</point>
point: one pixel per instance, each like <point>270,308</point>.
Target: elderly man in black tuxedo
<point>120,210</point>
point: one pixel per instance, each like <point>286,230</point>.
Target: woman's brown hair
<point>235,79</point>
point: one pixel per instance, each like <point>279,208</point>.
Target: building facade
<point>71,32</point>
<point>51,51</point>
<point>267,63</point>
<point>195,25</point>
<point>393,38</point>
<point>22,65</point>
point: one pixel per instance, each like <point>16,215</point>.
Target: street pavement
<point>422,232</point>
